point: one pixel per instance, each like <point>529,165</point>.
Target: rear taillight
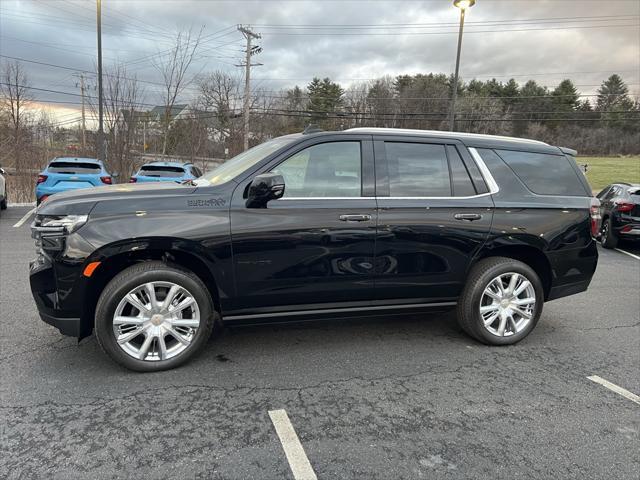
<point>133,180</point>
<point>625,207</point>
<point>595,217</point>
<point>42,178</point>
<point>106,180</point>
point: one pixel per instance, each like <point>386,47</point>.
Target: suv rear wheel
<point>154,317</point>
<point>501,302</point>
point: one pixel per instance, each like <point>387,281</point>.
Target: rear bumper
<point>568,289</point>
<point>630,230</point>
<point>41,191</point>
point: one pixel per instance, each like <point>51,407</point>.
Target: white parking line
<point>25,218</point>
<point>615,388</point>
<point>298,461</point>
<point>630,254</point>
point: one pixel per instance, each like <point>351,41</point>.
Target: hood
<point>82,201</point>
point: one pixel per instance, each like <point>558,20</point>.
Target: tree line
<point>606,123</point>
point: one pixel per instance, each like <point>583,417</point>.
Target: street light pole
<point>100,140</point>
<point>462,5</point>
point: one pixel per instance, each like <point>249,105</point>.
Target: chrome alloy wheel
<point>156,321</point>
<point>507,304</point>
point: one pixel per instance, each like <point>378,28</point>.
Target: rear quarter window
<point>74,168</point>
<point>545,174</point>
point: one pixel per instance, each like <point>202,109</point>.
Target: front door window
<point>324,170</point>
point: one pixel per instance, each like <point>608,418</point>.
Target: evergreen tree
<point>325,98</point>
<point>613,94</point>
<point>615,105</point>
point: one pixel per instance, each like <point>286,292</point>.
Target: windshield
<point>240,163</point>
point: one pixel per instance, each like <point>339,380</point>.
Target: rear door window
<point>544,174</point>
<point>460,178</point>
<point>74,168</point>
<point>161,171</point>
<point>417,170</point>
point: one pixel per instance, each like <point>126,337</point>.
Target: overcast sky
<point>547,40</point>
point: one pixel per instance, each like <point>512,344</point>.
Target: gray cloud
<point>62,32</point>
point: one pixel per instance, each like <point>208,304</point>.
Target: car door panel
<point>301,253</point>
<point>425,244</point>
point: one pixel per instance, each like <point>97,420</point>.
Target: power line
<point>478,22</point>
<point>451,32</point>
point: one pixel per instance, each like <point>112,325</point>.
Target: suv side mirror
<point>263,188</point>
<point>2,172</point>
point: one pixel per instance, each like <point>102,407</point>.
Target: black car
<point>334,224</point>
<point>620,212</point>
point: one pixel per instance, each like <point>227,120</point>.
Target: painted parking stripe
<point>615,388</point>
<point>628,253</point>
<point>298,461</point>
<point>25,218</point>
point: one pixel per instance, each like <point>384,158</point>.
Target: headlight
<point>69,223</point>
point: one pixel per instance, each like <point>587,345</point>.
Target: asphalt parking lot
<point>388,398</point>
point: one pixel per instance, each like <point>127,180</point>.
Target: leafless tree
<point>121,104</point>
<point>355,101</point>
<point>173,67</point>
<point>15,95</point>
<point>219,95</point>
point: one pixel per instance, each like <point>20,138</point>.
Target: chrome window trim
<point>484,170</point>
<point>436,198</point>
<point>326,198</point>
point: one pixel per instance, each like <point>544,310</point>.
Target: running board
<point>297,313</point>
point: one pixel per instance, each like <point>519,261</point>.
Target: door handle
<point>467,216</point>
<point>355,218</point>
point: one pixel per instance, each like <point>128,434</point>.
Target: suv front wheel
<point>501,302</point>
<point>154,317</point>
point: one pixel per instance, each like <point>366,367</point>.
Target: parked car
<point>66,173</point>
<point>620,212</point>
<point>166,172</point>
<point>364,221</point>
<point>3,189</point>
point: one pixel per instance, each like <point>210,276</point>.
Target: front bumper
<point>67,326</point>
<point>44,289</point>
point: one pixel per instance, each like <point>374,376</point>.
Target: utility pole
<point>249,35</point>
<point>84,125</point>
<point>100,146</point>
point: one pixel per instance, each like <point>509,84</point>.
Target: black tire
<point>468,309</point>
<point>139,274</point>
<point>3,203</point>
<point>608,238</point>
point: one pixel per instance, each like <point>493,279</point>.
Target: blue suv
<point>166,172</point>
<point>63,174</point>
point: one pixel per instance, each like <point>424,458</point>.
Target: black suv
<point>620,212</point>
<point>360,222</point>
